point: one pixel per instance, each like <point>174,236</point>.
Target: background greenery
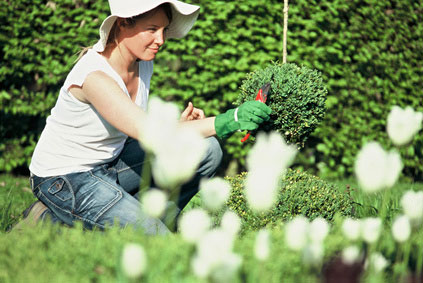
<point>368,51</point>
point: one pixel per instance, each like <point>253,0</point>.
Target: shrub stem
<point>285,29</point>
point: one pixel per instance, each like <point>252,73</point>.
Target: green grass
<point>15,197</point>
<point>367,205</point>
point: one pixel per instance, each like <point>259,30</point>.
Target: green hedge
<point>369,54</point>
<point>39,41</point>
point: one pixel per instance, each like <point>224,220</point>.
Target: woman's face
<point>144,39</point>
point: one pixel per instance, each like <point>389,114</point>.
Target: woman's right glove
<point>248,116</point>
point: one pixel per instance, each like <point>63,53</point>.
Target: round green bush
<point>300,193</point>
<point>297,98</point>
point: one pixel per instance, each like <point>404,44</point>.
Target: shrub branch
<point>285,28</point>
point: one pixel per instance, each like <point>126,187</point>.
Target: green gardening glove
<point>248,116</point>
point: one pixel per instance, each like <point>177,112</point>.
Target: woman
<point>86,166</point>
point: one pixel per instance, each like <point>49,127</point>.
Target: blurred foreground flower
<point>231,222</point>
<point>371,228</point>
<point>214,258</point>
<point>412,205</point>
<point>154,202</point>
<point>267,161</point>
<point>377,169</point>
<point>173,162</point>
<point>313,253</point>
<point>176,163</point>
<point>351,255</point>
<point>351,228</point>
<point>193,224</point>
<point>403,124</point>
<point>307,237</point>
<point>296,233</point>
<point>162,118</point>
<point>367,229</point>
<point>262,245</point>
<point>214,192</point>
<point>401,229</point>
<point>319,229</point>
<point>134,260</point>
<point>377,262</point>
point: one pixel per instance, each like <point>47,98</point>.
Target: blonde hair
<point>128,22</point>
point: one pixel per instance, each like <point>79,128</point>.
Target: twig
<point>285,28</point>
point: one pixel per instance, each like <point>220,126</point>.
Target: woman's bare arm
<point>117,108</point>
<point>111,102</point>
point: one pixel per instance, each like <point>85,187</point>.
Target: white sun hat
<point>183,17</point>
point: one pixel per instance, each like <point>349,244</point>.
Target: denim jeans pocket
<point>61,190</point>
<point>55,192</point>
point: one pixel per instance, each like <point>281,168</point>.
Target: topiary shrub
<point>297,98</point>
<point>300,194</point>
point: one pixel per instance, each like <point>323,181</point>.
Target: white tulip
<point>296,233</point>
<point>174,162</point>
<point>262,245</point>
<point>231,222</point>
<point>401,229</point>
<point>193,224</point>
<point>226,270</point>
<point>261,190</point>
<point>267,161</point>
<point>270,150</point>
<point>161,119</point>
<point>205,267</point>
<point>154,203</point>
<point>319,229</point>
<point>214,192</point>
<point>214,258</point>
<point>201,266</point>
<point>371,229</point>
<point>214,246</point>
<point>177,162</point>
<point>313,253</point>
<point>403,124</point>
<point>351,255</point>
<point>412,205</point>
<point>351,229</point>
<point>377,262</point>
<point>394,167</point>
<point>377,169</point>
<point>134,260</point>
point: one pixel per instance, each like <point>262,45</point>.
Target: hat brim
<point>183,18</point>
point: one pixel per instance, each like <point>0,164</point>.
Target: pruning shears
<point>262,95</point>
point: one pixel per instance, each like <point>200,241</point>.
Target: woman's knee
<point>213,157</point>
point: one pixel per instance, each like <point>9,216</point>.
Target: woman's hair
<point>129,22</point>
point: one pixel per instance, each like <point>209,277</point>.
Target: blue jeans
<point>108,194</point>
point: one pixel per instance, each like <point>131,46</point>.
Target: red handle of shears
<point>260,98</point>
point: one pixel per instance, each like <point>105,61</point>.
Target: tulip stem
<point>172,210</point>
<point>145,174</point>
<point>405,260</point>
<point>385,205</point>
<point>419,263</point>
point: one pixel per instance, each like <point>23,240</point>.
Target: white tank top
<point>76,138</point>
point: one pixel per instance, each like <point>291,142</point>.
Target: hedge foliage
<point>369,53</point>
